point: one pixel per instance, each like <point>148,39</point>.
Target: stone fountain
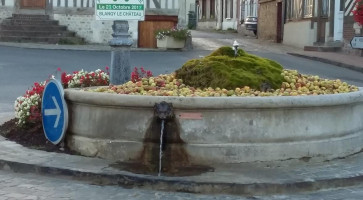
<point>216,130</point>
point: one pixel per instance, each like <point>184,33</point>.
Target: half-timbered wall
<point>78,15</point>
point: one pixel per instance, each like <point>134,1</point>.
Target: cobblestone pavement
<point>17,186</point>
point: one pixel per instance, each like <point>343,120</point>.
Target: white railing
<point>73,3</point>
<point>164,4</point>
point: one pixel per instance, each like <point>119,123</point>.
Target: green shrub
<point>222,69</point>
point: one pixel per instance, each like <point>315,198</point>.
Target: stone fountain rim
<point>109,99</point>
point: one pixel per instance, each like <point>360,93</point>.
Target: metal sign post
<point>120,11</point>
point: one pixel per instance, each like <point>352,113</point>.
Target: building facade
<point>350,28</point>
<point>320,23</point>
<point>218,14</point>
<point>78,15</point>
<point>270,20</point>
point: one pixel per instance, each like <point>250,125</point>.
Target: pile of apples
<point>295,84</point>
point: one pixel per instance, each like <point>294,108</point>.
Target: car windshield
<point>251,19</point>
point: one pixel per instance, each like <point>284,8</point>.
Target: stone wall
<point>229,130</point>
<point>93,31</point>
<point>267,20</point>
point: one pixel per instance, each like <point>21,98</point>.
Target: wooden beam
<point>157,4</point>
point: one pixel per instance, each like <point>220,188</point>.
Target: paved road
<point>16,186</point>
<point>20,68</point>
<point>323,70</point>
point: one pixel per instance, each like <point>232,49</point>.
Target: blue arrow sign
<point>54,112</point>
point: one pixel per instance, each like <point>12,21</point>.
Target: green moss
<point>222,69</point>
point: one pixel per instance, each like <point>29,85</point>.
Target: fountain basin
<point>219,129</point>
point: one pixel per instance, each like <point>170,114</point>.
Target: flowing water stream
<point>163,150</point>
<point>161,146</point>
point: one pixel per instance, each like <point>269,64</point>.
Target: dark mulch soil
<point>31,136</point>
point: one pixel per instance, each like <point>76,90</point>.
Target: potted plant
<point>358,16</point>
<point>173,38</point>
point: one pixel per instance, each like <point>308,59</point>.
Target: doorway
<point>32,4</point>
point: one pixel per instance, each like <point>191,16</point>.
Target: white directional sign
<point>54,112</point>
<point>120,10</point>
<point>357,42</point>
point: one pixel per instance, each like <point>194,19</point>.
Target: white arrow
<point>55,111</point>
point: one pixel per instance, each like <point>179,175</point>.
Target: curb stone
<point>175,185</point>
<point>324,60</point>
<point>19,159</point>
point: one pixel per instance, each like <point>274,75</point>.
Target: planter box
<point>170,43</point>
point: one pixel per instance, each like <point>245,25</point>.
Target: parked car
<point>251,24</point>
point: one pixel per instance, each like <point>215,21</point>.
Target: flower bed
<point>176,32</point>
<point>28,106</point>
<point>295,84</point>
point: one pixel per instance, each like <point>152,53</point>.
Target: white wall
<point>91,30</point>
<point>230,23</point>
<point>299,34</point>
<point>5,12</point>
<point>8,3</point>
<point>171,4</point>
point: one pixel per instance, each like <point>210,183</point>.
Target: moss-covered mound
<point>222,69</point>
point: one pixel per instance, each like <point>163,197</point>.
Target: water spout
<point>163,111</point>
<point>161,146</point>
<point>163,153</point>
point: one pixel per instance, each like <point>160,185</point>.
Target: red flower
<point>135,75</point>
<point>358,12</point>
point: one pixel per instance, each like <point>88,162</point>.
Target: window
<point>308,8</point>
<point>298,9</point>
<point>228,9</point>
<point>212,9</point>
<point>253,4</point>
<point>294,9</point>
<point>204,9</point>
<point>325,8</point>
